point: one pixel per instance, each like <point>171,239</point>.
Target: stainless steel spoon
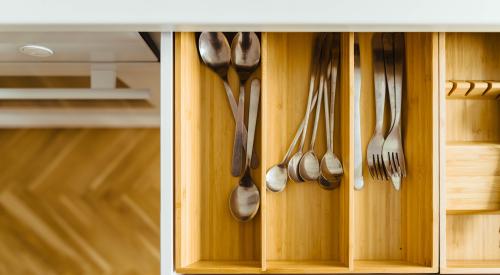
<point>245,55</point>
<point>309,163</point>
<point>331,167</point>
<point>293,164</point>
<point>216,54</point>
<point>276,176</point>
<point>244,200</point>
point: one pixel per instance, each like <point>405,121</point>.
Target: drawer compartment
<point>304,229</point>
<point>470,182</point>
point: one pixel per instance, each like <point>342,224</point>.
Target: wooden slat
<point>473,176</point>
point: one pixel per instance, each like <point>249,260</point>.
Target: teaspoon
<point>245,55</point>
<point>216,54</point>
<point>244,200</point>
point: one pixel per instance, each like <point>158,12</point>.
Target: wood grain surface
<point>81,201</point>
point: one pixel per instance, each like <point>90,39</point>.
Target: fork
<point>374,150</point>
<point>392,151</point>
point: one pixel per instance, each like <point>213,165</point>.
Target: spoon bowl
<point>215,52</point>
<point>244,200</point>
<point>293,167</point>
<point>276,178</point>
<point>245,54</point>
<point>309,166</point>
<point>331,171</point>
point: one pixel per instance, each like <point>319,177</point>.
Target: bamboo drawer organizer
<point>470,153</point>
<point>304,229</point>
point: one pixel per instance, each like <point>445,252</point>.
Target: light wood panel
<point>305,225</point>
<point>472,176</point>
<point>82,201</point>
<point>206,233</point>
<point>471,163</point>
<point>391,226</point>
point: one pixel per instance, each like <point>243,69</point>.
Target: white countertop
<point>259,15</point>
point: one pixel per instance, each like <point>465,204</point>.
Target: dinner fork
<point>392,151</point>
<point>374,150</point>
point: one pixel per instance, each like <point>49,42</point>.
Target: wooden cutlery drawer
<point>470,154</point>
<point>304,229</point>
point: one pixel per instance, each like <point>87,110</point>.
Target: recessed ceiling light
<point>36,51</point>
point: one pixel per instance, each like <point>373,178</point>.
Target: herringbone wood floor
<point>82,201</point>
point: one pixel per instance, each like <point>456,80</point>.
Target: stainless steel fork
<point>374,150</point>
<point>392,151</point>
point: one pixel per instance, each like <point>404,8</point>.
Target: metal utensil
<point>245,55</point>
<point>216,54</point>
<point>276,176</point>
<point>244,200</point>
<point>358,161</point>
<point>392,151</point>
<point>309,163</point>
<point>331,167</point>
<point>293,164</point>
<point>374,151</point>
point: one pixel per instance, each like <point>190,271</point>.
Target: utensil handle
<point>327,116</point>
<point>333,86</point>
<point>237,159</point>
<point>358,162</point>
<point>297,134</point>
<point>234,110</point>
<point>379,81</point>
<point>252,115</point>
<point>318,111</point>
<point>389,73</point>
<point>398,70</point>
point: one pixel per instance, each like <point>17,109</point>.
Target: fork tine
<point>375,168</point>
<point>381,167</point>
<point>396,163</point>
<point>370,165</point>
<point>387,162</point>
<point>402,165</point>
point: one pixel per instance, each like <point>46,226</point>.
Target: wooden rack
<point>473,89</point>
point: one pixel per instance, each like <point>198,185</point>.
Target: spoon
<point>276,176</point>
<point>216,54</point>
<point>293,164</point>
<point>309,163</point>
<point>331,167</point>
<point>244,200</point>
<point>245,55</point>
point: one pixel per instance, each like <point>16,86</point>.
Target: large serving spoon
<point>276,176</point>
<point>331,167</point>
<point>245,55</point>
<point>293,164</point>
<point>309,163</point>
<point>216,54</point>
<point>244,200</point>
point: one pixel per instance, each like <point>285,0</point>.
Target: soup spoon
<point>215,52</point>
<point>245,55</point>
<point>331,167</point>
<point>244,200</point>
<point>293,164</point>
<point>276,176</point>
<point>309,163</point>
